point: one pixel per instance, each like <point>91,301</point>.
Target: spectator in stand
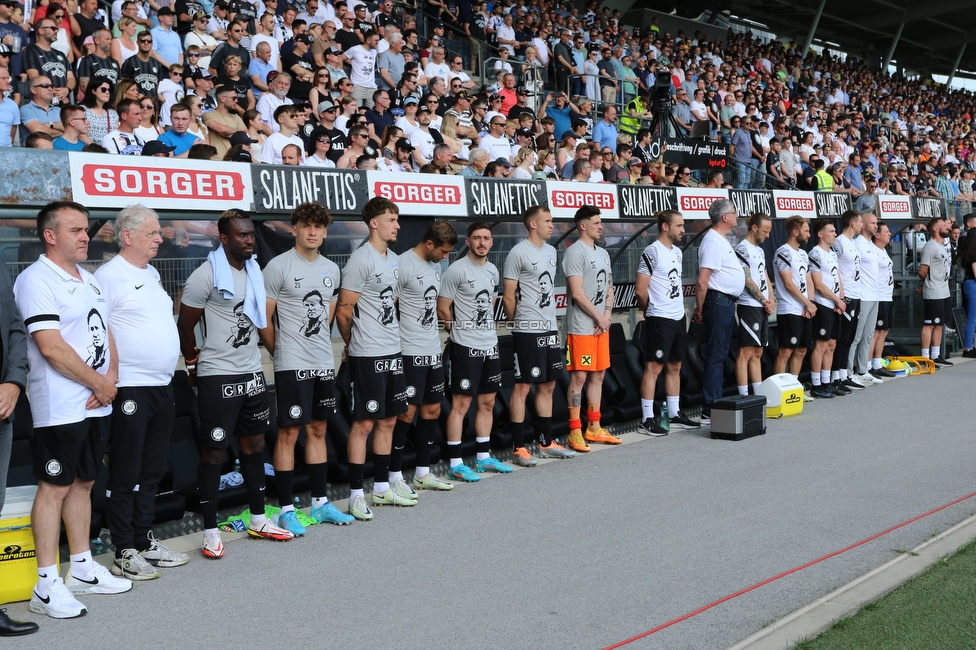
<point>12,35</point>
<point>179,136</point>
<point>149,128</point>
<point>280,86</point>
<point>495,142</point>
<point>391,64</point>
<point>143,68</point>
<point>9,112</point>
<point>123,140</point>
<point>266,35</point>
<point>236,31</point>
<point>291,154</point>
<point>204,41</point>
<point>260,69</point>
<point>43,58</point>
<point>102,118</point>
<point>605,131</point>
<point>75,124</point>
<point>287,119</point>
<point>221,122</point>
<point>362,59</point>
<point>39,116</point>
<point>300,68</point>
<point>99,64</point>
<point>378,118</point>
<point>167,41</point>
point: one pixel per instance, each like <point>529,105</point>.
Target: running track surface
<point>587,552</point>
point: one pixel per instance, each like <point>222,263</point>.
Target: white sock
<point>284,509</point>
<point>421,472</point>
<point>834,375</point>
<point>211,531</point>
<point>755,387</point>
<point>743,390</point>
<point>843,374</point>
<point>815,378</point>
<point>481,455</point>
<point>674,402</point>
<point>81,563</point>
<point>454,451</point>
<point>380,486</point>
<point>824,377</point>
<point>258,520</point>
<point>647,409</point>
<point>395,475</point>
<point>925,353</point>
<point>935,351</point>
<point>46,575</point>
<point>318,502</point>
<point>356,493</point>
<point>876,364</point>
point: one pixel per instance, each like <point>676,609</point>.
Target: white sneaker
<point>57,602</point>
<point>98,581</point>
<point>159,555</point>
<point>133,566</point>
<point>868,379</point>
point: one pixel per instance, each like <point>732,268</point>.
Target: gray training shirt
<point>417,288</point>
<point>303,291</point>
<point>937,257</point>
<point>473,287</point>
<point>535,270</point>
<point>230,340</point>
<point>375,330</point>
<point>593,265</point>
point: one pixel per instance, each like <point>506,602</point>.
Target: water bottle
<point>237,466</point>
<point>665,417</point>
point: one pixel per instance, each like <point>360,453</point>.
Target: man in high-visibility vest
<point>822,181</point>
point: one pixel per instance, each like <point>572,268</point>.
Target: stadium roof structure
<point>938,36</point>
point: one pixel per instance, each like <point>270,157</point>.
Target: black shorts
<point>826,324</point>
<point>848,321</point>
<point>473,371</point>
<point>665,340</point>
<point>424,375</point>
<point>753,327</point>
<point>794,331</point>
<point>538,357</point>
<point>934,311</point>
<point>64,452</point>
<point>379,388</point>
<point>885,311</point>
<point>232,403</point>
<point>304,395</point>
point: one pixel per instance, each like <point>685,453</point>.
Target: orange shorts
<point>588,352</point>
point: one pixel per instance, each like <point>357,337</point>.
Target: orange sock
<point>574,418</point>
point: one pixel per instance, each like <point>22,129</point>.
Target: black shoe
<point>942,361</point>
<point>883,373</point>
<point>840,388</point>
<point>821,392</point>
<point>10,627</point>
<point>682,421</point>
<point>969,354</point>
<point>650,427</point>
<point>852,384</point>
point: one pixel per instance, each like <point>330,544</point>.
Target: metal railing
<point>535,78</point>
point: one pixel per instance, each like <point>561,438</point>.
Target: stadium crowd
<point>568,95</point>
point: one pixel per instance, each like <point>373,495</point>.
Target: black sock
<point>381,462</point>
<point>208,489</point>
<point>544,426</point>
<point>483,447</point>
<point>518,434</point>
<point>252,469</point>
<point>425,440</point>
<point>355,476</point>
<point>318,476</point>
<point>400,430</point>
<point>285,480</point>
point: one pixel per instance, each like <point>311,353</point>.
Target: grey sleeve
<point>513,264</point>
<point>449,283</point>
<point>273,277</point>
<point>574,264</point>
<point>198,287</point>
<point>356,274</point>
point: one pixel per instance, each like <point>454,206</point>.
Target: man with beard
<point>755,304</point>
<point>793,290</point>
<point>423,366</point>
<point>278,96</point>
<point>99,64</point>
<point>658,291</point>
<point>465,305</point>
<point>859,361</point>
<point>933,270</point>
<point>829,298</point>
<point>849,262</point>
<point>587,270</point>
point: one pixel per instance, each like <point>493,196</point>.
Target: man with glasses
<point>222,122</point>
<point>11,32</point>
<point>142,67</point>
<point>42,58</point>
<point>867,201</point>
<point>358,141</point>
<point>565,60</point>
<point>75,124</point>
<point>720,283</point>
<point>458,74</point>
<point>437,67</point>
<point>205,42</point>
<point>235,32</point>
<point>347,36</point>
<point>39,116</point>
<point>496,143</point>
<point>99,65</point>
<point>219,23</point>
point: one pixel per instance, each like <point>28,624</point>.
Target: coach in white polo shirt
<point>720,282</point>
<point>140,311</point>
<point>71,386</point>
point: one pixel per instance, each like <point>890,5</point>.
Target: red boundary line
<point>785,573</point>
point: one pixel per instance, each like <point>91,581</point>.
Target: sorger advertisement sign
<point>163,183</point>
<point>421,195</point>
<point>566,197</point>
<point>693,203</point>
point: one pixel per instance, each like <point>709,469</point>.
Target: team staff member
<point>793,290</point>
<point>849,261</point>
<point>139,309</point>
<point>859,361</point>
<point>466,306</point>
<point>368,324</point>
<point>720,282</point>
<point>227,290</point>
<point>302,286</point>
<point>828,296</point>
<point>423,364</point>
<point>933,270</point>
<point>886,286</point>
<point>590,282</point>
<point>529,301</point>
<point>755,304</point>
<point>72,380</point>
<point>659,295</point>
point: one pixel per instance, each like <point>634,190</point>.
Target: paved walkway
<point>587,552</point>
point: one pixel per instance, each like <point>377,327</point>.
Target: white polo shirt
<point>716,253</point>
<point>146,340</point>
<point>51,299</point>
